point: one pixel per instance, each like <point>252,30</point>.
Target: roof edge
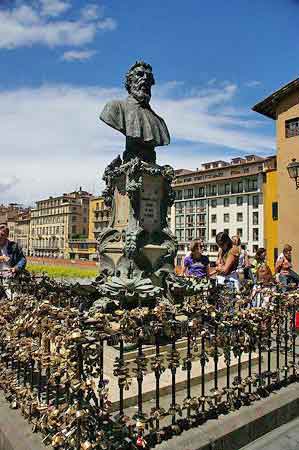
<point>267,107</point>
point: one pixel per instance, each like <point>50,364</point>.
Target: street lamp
<point>293,169</point>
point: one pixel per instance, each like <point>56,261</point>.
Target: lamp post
<point>293,169</point>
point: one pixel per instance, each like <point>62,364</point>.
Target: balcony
<point>46,247</point>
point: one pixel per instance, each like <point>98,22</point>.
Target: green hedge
<point>63,271</point>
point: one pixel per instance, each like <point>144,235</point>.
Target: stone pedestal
<point>137,241</point>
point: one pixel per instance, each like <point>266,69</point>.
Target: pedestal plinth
<point>138,242</point>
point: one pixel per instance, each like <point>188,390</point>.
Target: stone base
<point>149,381</point>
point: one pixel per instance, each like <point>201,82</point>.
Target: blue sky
<point>61,60</point>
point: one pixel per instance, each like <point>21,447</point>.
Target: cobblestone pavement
<point>285,437</point>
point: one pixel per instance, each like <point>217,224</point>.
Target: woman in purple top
<point>196,264</point>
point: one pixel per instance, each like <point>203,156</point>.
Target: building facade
<point>271,216</point>
<point>56,221</point>
<point>99,216</point>
<point>283,107</point>
<point>17,219</point>
<point>221,196</point>
<point>9,213</point>
<point>21,229</point>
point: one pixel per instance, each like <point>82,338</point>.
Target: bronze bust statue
<point>143,128</point>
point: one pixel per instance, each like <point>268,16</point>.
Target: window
<point>190,207</point>
<point>226,202</point>
<point>225,218</point>
<point>255,201</point>
<point>200,220</point>
<point>212,189</point>
<point>74,218</point>
<point>240,232</point>
<point>200,192</point>
<point>190,234</point>
<point>275,211</point>
<point>227,188</point>
<point>214,248</point>
<point>213,232</point>
<point>237,187</point>
<point>251,184</point>
<point>239,217</point>
<point>179,208</point>
<point>178,195</point>
<point>275,255</point>
<point>213,218</point>
<point>292,127</point>
<point>188,193</point>
<point>201,233</point>
<point>179,234</point>
<point>200,203</point>
<point>255,218</point>
<point>179,221</point>
<point>74,229</point>
<point>189,221</point>
<point>239,201</point>
<point>255,234</point>
<point>214,203</point>
<point>221,189</point>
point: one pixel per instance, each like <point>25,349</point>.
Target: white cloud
<point>253,83</point>
<point>91,12</point>
<point>27,25</point>
<point>78,55</point>
<point>54,8</point>
<point>55,142</point>
<point>7,183</point>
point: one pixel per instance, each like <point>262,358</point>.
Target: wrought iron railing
<point>132,378</point>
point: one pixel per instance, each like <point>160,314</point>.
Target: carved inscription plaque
<point>150,200</point>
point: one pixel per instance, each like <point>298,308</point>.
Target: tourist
<point>12,259</point>
<point>259,259</point>
<point>261,292</point>
<point>283,267</point>
<point>195,263</point>
<point>244,263</point>
<point>227,261</point>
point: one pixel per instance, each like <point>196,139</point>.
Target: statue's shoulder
<point>114,105</point>
<point>113,114</point>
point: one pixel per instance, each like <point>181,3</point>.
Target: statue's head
<point>139,81</point>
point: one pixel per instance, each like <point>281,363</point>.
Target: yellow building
<point>99,216</point>
<point>271,216</point>
<point>283,107</point>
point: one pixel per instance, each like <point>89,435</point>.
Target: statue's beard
<point>141,94</point>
